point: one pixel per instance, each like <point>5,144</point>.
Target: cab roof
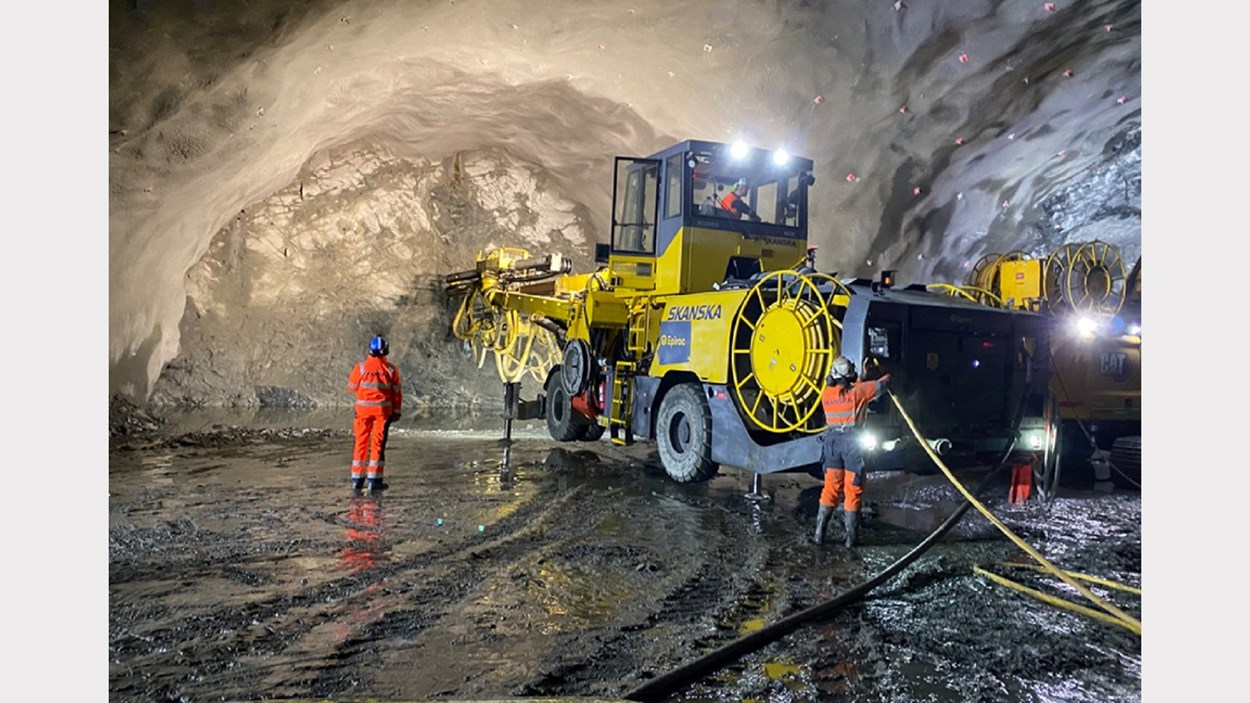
<point>753,153</point>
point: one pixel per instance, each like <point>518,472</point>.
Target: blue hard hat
<point>378,346</point>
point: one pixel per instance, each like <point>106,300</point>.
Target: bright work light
<point>1086,326</point>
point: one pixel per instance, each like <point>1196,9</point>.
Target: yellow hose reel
<point>1088,278</point>
<point>783,341</point>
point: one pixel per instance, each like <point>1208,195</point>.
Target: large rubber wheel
<point>1126,461</point>
<point>559,411</point>
<point>683,431</point>
<point>591,432</point>
<point>575,369</point>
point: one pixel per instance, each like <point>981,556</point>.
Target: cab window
<point>634,209</point>
<point>672,195</point>
<point>772,193</point>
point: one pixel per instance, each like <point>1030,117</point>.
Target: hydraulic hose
<point>659,688</point>
<point>662,686</point>
<point>1119,616</point>
<point>1055,600</point>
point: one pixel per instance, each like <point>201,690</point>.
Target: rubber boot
<point>822,521</point>
<point>850,520</point>
<point>358,485</point>
<point>377,485</point>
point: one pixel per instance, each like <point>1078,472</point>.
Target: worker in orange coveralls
<point>735,205</point>
<point>845,401</point>
<point>379,400</point>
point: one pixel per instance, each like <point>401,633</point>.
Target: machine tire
<point>559,411</point>
<point>1126,460</point>
<point>575,369</point>
<point>683,431</point>
<point>591,432</point>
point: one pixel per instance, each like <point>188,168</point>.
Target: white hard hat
<point>842,368</point>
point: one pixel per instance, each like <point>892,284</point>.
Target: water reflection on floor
<point>250,570</point>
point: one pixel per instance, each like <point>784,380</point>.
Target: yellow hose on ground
<point>1117,616</point>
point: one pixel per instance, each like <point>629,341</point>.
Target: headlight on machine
<point>1033,440</point>
<point>1086,327</point>
<point>867,441</point>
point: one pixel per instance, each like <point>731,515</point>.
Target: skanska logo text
<point>694,312</point>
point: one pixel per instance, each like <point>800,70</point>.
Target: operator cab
<point>699,214</point>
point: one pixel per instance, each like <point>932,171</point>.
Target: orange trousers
<point>369,449</point>
<point>836,482</point>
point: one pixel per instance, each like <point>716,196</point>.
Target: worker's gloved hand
<point>754,217</point>
<point>873,366</point>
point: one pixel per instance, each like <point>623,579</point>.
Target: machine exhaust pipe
<point>940,446</point>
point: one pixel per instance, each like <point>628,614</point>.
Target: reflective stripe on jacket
<point>376,383</point>
<point>847,409</point>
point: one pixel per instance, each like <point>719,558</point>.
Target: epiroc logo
<point>674,342</point>
<point>694,312</point>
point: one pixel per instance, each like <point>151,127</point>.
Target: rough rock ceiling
<point>379,143</point>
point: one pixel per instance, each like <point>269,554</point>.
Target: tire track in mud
<point>322,603</point>
<point>467,569</point>
<point>697,613</point>
<point>732,592</point>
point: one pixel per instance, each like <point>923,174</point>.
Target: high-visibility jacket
<point>844,410</point>
<point>377,386</point>
<point>727,202</point>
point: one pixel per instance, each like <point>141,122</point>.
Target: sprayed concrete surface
<point>242,568</point>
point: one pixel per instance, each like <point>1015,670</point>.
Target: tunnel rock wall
<point>290,291</point>
<point>940,132</point>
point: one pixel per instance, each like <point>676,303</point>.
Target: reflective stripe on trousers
<point>369,447</point>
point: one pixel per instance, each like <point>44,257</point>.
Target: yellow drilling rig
<point>707,328</point>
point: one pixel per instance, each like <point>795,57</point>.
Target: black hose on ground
<point>661,687</point>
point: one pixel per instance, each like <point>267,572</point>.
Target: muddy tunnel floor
<point>241,567</point>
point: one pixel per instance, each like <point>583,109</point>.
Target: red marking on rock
<point>851,178</point>
<point>1108,27</point>
<point>915,191</point>
<point>903,110</point>
<point>1067,73</point>
<point>963,58</point>
<point>1006,204</point>
<point>1050,6</point>
<point>1123,99</point>
<point>819,99</point>
<point>959,140</point>
<point>1062,152</point>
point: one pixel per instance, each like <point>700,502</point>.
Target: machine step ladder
<point>621,417</point>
